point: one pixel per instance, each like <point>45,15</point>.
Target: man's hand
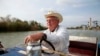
<point>33,37</point>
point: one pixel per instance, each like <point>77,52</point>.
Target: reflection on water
<point>12,39</point>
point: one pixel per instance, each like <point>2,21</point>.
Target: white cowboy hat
<point>52,13</point>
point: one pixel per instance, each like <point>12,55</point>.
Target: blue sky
<point>75,12</point>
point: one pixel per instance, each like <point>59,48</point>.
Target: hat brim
<point>56,15</point>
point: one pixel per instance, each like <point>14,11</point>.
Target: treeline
<point>8,24</point>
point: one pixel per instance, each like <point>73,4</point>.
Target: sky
<point>74,12</point>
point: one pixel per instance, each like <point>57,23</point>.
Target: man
<point>55,33</point>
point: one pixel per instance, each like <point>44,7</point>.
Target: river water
<point>12,39</point>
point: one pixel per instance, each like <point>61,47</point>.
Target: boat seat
<point>82,48</point>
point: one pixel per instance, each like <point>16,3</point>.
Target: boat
<point>79,46</point>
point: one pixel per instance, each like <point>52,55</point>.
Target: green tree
<point>15,24</point>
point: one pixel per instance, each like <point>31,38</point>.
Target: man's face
<point>52,22</point>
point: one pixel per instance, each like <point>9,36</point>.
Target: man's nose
<point>48,21</point>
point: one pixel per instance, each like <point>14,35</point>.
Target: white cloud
<point>46,9</point>
<point>22,9</point>
<point>68,2</point>
<point>74,20</point>
<point>76,3</point>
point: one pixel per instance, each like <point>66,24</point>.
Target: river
<point>12,39</point>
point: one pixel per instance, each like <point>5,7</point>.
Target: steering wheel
<point>44,39</point>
